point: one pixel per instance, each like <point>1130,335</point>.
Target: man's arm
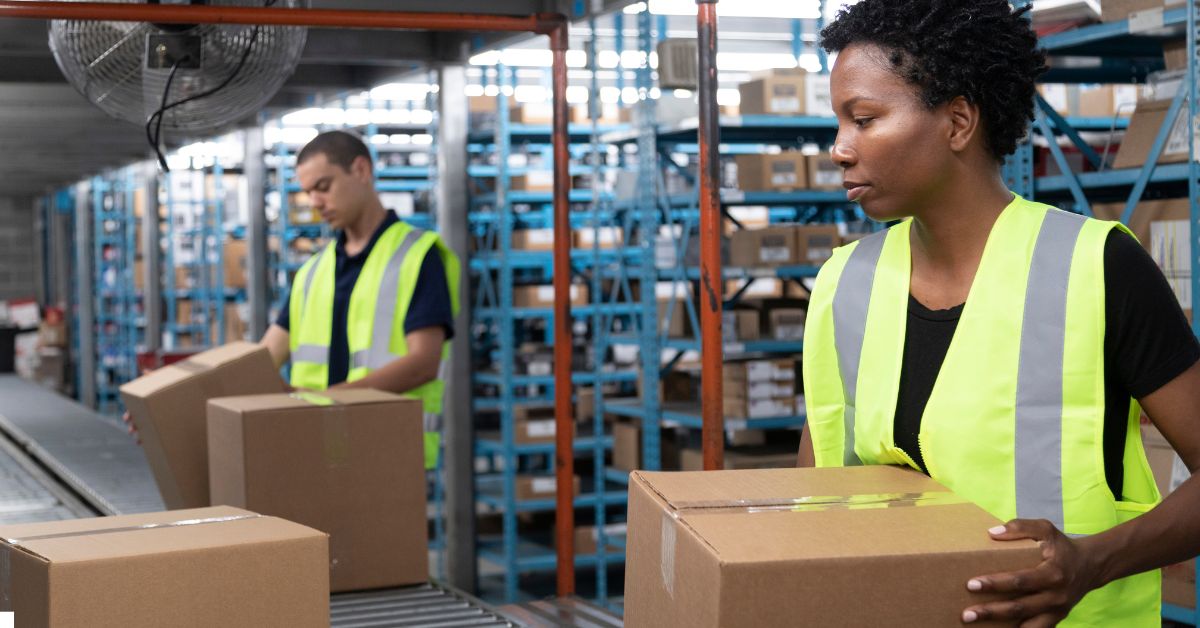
<point>419,367</point>
<point>277,341</point>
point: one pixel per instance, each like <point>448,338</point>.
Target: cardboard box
<point>168,408</point>
<point>740,325</point>
<point>787,323</point>
<point>815,243</point>
<point>1175,54</point>
<point>51,368</point>
<point>678,325</point>
<point>534,431</point>
<point>763,288</point>
<point>784,92</point>
<point>757,391</point>
<point>585,404</point>
<point>52,334</point>
<point>1145,214</point>
<point>754,371</point>
<point>206,567</point>
<point>587,538</point>
<point>1143,127</point>
<point>693,460</point>
<point>234,256</point>
<point>1117,10</point>
<point>627,447</point>
<point>772,172</point>
<point>772,246</point>
<point>532,113</point>
<point>235,327</point>
<point>691,563</point>
<point>532,181</point>
<point>531,487</point>
<point>609,114</point>
<point>533,239</point>
<point>823,174</point>
<point>543,296</point>
<point>604,237</point>
<point>742,408</point>
<point>348,462</point>
<point>745,438</point>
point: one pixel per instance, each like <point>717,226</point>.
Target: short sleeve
<point>430,305</point>
<point>284,317</point>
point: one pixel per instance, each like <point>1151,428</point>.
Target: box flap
<point>172,374</point>
<point>151,533</point>
<point>225,354</point>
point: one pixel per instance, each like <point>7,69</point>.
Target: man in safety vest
<point>374,308</point>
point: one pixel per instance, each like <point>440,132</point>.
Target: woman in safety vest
<point>1002,346</point>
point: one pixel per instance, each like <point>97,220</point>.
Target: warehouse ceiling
<point>50,135</point>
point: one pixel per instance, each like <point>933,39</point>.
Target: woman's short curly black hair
<point>982,50</point>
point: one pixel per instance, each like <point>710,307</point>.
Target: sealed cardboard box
<point>543,296</point>
<point>1175,54</point>
<point>533,181</point>
<point>772,246</point>
<point>533,239</point>
<point>823,174</point>
<point>534,431</point>
<point>540,487</point>
<point>348,462</point>
<point>742,408</point>
<point>204,567</point>
<point>740,325</point>
<point>754,371</point>
<point>786,91</point>
<point>815,243</point>
<point>168,408</point>
<point>234,255</point>
<point>601,237</point>
<point>787,323</point>
<point>691,562</point>
<point>587,538</point>
<point>1143,128</point>
<point>772,172</point>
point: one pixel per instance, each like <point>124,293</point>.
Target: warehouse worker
<point>995,343</point>
<point>375,308</point>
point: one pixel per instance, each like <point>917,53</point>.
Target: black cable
<point>157,117</point>
<point>156,135</point>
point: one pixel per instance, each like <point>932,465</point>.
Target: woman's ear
<point>964,123</point>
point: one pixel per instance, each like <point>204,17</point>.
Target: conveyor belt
<point>48,441</point>
<point>567,611</point>
<point>90,454</point>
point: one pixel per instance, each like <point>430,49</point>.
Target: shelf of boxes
<point>1157,198</point>
<point>117,303</point>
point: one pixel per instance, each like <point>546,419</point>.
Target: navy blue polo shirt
<point>430,306</point>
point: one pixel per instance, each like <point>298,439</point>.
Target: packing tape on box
<point>817,503</point>
<point>335,430</point>
<point>10,544</point>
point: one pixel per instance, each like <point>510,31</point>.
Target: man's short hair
<point>339,147</point>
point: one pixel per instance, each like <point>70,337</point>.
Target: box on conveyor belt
<point>822,547</point>
<point>201,567</point>
<point>168,409</point>
<point>349,462</point>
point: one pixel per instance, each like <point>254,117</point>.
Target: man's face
<point>339,195</point>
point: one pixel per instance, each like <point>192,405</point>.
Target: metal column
<point>458,462</point>
<point>257,291</point>
<point>711,284</point>
<point>152,266</point>
<point>85,295</point>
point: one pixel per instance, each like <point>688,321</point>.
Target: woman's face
<point>894,151</point>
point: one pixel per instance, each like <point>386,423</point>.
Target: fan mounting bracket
<point>168,50</point>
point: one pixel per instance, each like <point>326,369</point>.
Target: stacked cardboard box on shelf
<point>530,487</point>
<point>732,548</point>
<point>347,462</point>
<point>759,388</point>
<point>627,447</point>
<point>1117,10</point>
<point>780,172</point>
<point>1162,228</point>
<point>786,92</point>
<point>543,296</point>
<point>783,245</point>
<point>226,566</point>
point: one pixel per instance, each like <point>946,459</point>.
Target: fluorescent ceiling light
<point>796,9</point>
<point>401,91</point>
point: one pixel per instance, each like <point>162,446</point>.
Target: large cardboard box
<point>627,447</point>
<point>543,296</point>
<point>784,92</point>
<point>772,246</point>
<point>1143,127</point>
<point>205,567</point>
<point>737,548</point>
<point>772,172</point>
<point>168,409</point>
<point>348,462</point>
<point>1117,10</point>
<point>234,255</point>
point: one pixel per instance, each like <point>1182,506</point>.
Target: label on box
<point>784,99</point>
<point>540,368</point>
<point>783,173</point>
<point>540,429</point>
<point>544,485</point>
<point>610,530</point>
<point>792,331</point>
<point>1148,20</point>
<point>769,390</point>
<point>818,99</point>
<point>769,408</point>
<point>827,177</point>
<point>540,236</point>
<point>775,249</point>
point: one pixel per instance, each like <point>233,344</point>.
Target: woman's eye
<point>861,122</point>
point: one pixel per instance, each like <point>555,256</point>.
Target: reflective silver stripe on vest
<point>312,272</point>
<point>1038,440</point>
<point>313,354</point>
<point>378,353</point>
<point>850,301</point>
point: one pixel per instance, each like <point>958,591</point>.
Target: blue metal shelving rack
<point>195,237</point>
<point>117,323</point>
<point>496,211</point>
<point>1128,53</point>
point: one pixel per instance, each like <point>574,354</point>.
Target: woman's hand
<point>1044,595</point>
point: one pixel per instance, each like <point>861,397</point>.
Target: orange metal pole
<point>327,18</point>
<point>712,286</point>
<point>564,445</point>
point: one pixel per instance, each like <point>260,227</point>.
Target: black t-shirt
<point>1147,343</point>
<point>430,305</point>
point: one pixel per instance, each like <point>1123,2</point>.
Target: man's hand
<point>1044,595</point>
<point>128,419</point>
